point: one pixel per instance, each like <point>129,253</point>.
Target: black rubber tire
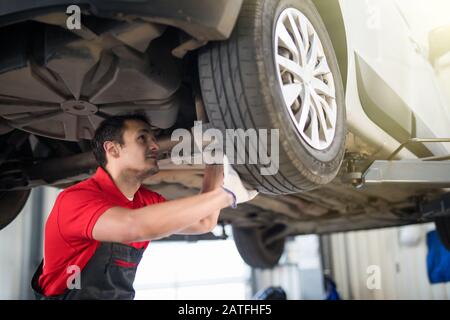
<point>443,230</point>
<point>240,90</point>
<point>251,247</point>
<point>11,203</point>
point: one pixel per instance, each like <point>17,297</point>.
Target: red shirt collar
<point>108,186</point>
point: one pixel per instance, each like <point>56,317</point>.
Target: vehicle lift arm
<point>431,171</point>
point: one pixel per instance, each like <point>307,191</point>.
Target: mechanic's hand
<point>233,184</point>
<point>213,177</point>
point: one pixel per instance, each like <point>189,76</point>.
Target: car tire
<point>11,204</point>
<point>252,247</point>
<point>241,89</point>
<point>443,230</point>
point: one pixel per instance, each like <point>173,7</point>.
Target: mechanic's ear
<point>111,149</point>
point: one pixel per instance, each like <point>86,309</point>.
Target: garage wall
<point>12,245</point>
<point>20,249</point>
<point>384,264</point>
<point>21,245</point>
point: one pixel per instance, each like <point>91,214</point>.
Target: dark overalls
<point>109,275</point>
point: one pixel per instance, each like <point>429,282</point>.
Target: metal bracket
<point>431,171</point>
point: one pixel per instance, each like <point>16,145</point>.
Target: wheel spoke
<point>298,38</point>
<point>322,68</point>
<point>330,112</point>
<point>304,110</point>
<point>25,119</point>
<point>287,42</point>
<point>314,128</point>
<point>291,92</point>
<point>304,32</point>
<point>292,67</point>
<point>71,127</point>
<point>323,125</point>
<point>320,87</point>
<point>313,51</point>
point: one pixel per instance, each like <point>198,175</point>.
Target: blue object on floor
<point>438,259</point>
<point>271,293</point>
<point>331,290</point>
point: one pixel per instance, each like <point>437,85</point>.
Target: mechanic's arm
<point>160,220</point>
<point>212,179</point>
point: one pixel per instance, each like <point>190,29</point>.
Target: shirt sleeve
<point>159,198</point>
<point>151,197</point>
<point>78,212</point>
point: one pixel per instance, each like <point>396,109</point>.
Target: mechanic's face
<point>139,152</point>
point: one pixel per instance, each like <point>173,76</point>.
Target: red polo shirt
<point>68,231</point>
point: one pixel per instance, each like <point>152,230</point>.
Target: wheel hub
<point>78,107</point>
<point>308,76</point>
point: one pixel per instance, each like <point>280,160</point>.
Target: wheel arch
<point>331,14</point>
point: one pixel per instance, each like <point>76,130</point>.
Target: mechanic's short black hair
<point>111,129</point>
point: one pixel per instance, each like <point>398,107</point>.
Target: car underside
<point>57,85</point>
